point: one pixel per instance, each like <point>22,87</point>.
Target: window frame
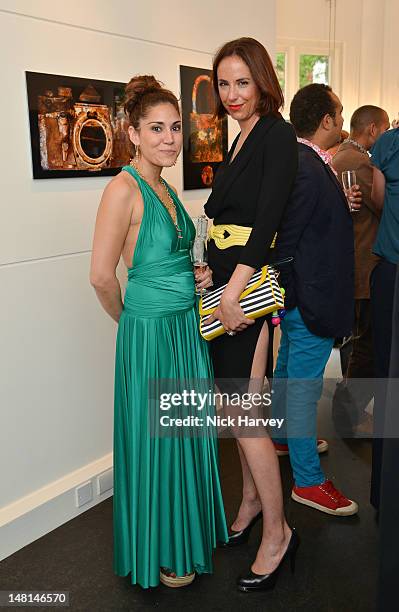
<point>285,70</point>
<point>293,49</point>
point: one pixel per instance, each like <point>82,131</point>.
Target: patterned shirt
<point>325,155</point>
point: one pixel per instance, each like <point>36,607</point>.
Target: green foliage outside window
<point>313,69</point>
<point>280,69</point>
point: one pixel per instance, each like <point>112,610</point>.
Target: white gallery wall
<point>367,41</point>
<point>56,344</point>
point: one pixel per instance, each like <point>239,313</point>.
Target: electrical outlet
<point>105,481</point>
<point>84,494</point>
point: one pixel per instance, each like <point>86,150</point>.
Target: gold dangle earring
<point>135,160</point>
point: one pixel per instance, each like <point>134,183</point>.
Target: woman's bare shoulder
<point>120,197</point>
<point>122,186</point>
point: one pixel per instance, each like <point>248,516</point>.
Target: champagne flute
<point>199,254</point>
<point>201,226</point>
<point>348,182</point>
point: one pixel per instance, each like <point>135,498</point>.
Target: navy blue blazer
<point>317,231</point>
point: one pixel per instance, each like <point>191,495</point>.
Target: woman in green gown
<point>168,508</point>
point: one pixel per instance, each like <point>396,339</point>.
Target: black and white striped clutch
<point>261,296</point>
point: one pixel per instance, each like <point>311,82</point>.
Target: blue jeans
<point>297,387</point>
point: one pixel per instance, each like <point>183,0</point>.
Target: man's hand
<point>355,198</point>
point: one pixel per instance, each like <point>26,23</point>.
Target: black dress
<point>251,191</point>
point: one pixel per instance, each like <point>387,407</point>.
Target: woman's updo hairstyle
<point>142,93</point>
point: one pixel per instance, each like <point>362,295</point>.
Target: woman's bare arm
<point>112,225</point>
<point>378,188</point>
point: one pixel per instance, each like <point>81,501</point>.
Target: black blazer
<point>253,189</point>
<point>317,230</point>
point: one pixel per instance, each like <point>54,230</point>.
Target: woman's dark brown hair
<point>142,93</point>
<point>255,56</point>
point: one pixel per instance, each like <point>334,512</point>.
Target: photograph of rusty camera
<point>78,126</point>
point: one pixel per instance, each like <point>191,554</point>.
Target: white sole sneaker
<point>344,511</point>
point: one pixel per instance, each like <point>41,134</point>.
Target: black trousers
<point>360,362</point>
<point>382,290</point>
<point>389,503</point>
<point>357,387</point>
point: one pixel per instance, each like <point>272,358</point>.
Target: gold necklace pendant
<point>169,205</point>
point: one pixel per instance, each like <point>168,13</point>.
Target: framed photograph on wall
<point>204,137</point>
<point>77,126</point>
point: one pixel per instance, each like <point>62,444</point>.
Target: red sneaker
<point>326,498</point>
<point>282,449</point>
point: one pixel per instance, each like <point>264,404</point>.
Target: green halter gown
<point>168,507</point>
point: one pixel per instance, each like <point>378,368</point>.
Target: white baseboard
<point>38,513</point>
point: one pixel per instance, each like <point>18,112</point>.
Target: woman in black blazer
<point>250,192</point>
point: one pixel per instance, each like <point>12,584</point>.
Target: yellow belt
<point>237,235</point>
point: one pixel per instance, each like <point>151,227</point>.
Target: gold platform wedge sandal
<point>169,578</point>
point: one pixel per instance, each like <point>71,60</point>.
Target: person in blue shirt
<point>385,159</point>
<point>385,193</point>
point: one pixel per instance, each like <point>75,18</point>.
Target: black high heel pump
<point>266,582</point>
<point>239,537</point>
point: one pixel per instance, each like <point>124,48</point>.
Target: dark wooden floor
<point>336,564</point>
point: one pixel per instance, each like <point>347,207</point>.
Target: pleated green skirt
<point>168,507</point>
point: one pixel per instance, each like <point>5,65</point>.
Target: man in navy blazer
<point>317,231</point>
